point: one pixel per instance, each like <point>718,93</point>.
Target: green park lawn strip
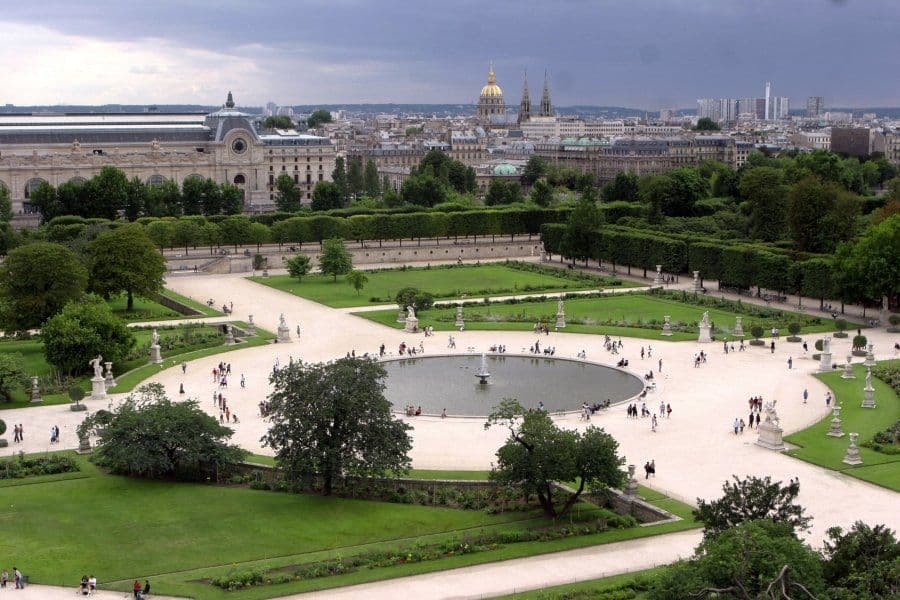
<point>179,535</point>
<point>146,309</point>
<point>132,372</point>
<point>593,586</point>
<point>816,447</point>
<point>596,315</point>
<point>471,281</point>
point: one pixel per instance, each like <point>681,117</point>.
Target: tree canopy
<point>288,197</point>
<point>318,117</point>
<point>332,420</point>
<point>279,122</point>
<point>125,260</point>
<point>12,375</point>
<point>752,499</point>
<point>335,258</point>
<point>36,281</point>
<point>83,329</point>
<point>538,453</point>
<point>706,124</point>
<point>150,436</point>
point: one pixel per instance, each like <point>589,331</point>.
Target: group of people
<point>623,362</point>
<point>541,328</point>
<point>88,585</point>
<point>588,409</point>
<point>498,348</point>
<point>18,433</point>
<point>220,374</point>
<point>699,359</point>
<point>650,468</point>
<point>403,349</point>
<point>612,346</point>
<point>428,331</point>
<point>665,410</point>
<point>18,578</point>
<point>54,434</point>
<point>756,406</point>
<point>225,414</point>
<point>415,411</point>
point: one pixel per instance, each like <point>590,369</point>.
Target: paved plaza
<point>695,450</point>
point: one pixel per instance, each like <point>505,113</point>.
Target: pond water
<point>439,382</point>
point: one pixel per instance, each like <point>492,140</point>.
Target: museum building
<point>226,146</point>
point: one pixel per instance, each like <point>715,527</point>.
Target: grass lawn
<point>589,588</point>
<point>473,281</point>
<point>131,373</point>
<point>178,535</point>
<point>598,315</point>
<point>149,310</point>
<point>818,448</point>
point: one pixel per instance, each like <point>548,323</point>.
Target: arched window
<point>32,185</point>
<point>239,179</point>
<point>156,179</point>
<point>78,180</point>
<point>194,176</point>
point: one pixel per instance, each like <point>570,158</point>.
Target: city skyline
<point>649,56</point>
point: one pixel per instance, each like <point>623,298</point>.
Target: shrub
<point>840,324</point>
<point>410,296</point>
<point>894,320</point>
<point>794,327</point>
<point>819,345</point>
<point>756,331</point>
<point>859,342</point>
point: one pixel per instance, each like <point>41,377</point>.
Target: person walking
<point>18,578</point>
<point>243,381</point>
<point>772,346</point>
<point>183,367</point>
<point>790,362</point>
<point>653,424</point>
<point>736,425</point>
<point>805,395</point>
<point>660,366</point>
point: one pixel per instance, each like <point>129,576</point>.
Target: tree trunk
<point>130,304</point>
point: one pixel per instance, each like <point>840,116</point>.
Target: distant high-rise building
<point>815,106</point>
<point>666,115</point>
<point>781,107</point>
<point>271,109</point>
<point>525,103</point>
<point>546,107</point>
<point>768,95</point>
<point>852,141</point>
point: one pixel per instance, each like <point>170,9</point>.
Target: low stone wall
<point>176,305</point>
<point>372,254</point>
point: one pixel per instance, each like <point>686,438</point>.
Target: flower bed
<point>19,468</point>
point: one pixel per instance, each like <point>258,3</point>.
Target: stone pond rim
<point>436,382</point>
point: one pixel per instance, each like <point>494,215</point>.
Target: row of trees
<point>110,192</point>
<point>862,271</point>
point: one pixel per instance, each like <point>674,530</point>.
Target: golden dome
<point>491,90</point>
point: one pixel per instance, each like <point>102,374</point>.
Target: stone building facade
<point>226,146</point>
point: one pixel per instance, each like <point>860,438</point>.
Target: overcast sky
<point>638,53</point>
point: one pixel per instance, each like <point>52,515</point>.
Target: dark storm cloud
<point>638,53</point>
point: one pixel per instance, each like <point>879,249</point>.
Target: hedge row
<point>732,263</point>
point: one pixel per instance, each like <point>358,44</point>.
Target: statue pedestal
<point>738,328</point>
<point>35,391</point>
<point>155,354</point>
<point>705,334</point>
<point>251,328</point>
<point>868,397</point>
<point>836,429</point>
<point>698,288</point>
<point>770,436</point>
<point>870,356</point>
<point>401,316</point>
<point>412,325</point>
<point>284,334</point>
<point>667,329</point>
<point>657,280</point>
<point>848,370</point>
<point>84,445</point>
<point>560,320</point>
<point>852,456</point>
<point>631,484</point>
<point>98,388</point>
<point>229,338</point>
<point>824,362</point>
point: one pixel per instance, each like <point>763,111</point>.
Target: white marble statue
<point>869,378</point>
<point>154,338</point>
<point>410,312</point>
<point>705,320</point>
<point>559,307</point>
<point>281,322</point>
<point>97,363</point>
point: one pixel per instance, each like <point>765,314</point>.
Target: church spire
<point>525,104</point>
<point>229,102</point>
<point>546,107</point>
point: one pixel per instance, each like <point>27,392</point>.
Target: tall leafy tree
<point>83,329</point>
<point>423,190</point>
<point>279,122</point>
<point>624,187</point>
<point>752,499</point>
<point>135,198</point>
<point>355,181</point>
<point>541,193</point>
<point>298,266</point>
<point>150,436</point>
<point>107,192</point>
<point>318,117</point>
<point>372,185</point>
<point>332,420</point>
<point>164,200</point>
<point>235,230</point>
<point>125,260</point>
<point>5,205</point>
<point>339,177</point>
<point>863,562</point>
<point>538,453</point>
<point>820,214</point>
<point>288,197</point>
<point>36,281</point>
<point>335,258</point>
<point>871,265</point>
<point>535,169</point>
<point>327,195</point>
<point>12,375</point>
<point>764,189</point>
<point>357,280</point>
<point>580,229</point>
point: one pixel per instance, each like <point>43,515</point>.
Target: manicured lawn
<point>179,534</point>
<point>593,586</point>
<point>132,372</point>
<point>615,315</point>
<point>149,310</point>
<point>472,281</point>
<point>818,448</point>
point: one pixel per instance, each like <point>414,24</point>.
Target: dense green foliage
<point>298,266</point>
<point>150,436</point>
<point>752,499</point>
<point>278,122</point>
<point>12,375</point>
<point>36,281</point>
<point>125,260</point>
<point>335,258</point>
<point>331,420</point>
<point>318,117</point>
<point>82,330</point>
<point>538,453</point>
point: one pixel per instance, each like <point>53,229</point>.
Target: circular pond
<point>450,382</point>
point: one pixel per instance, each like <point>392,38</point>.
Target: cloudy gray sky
<point>639,53</point>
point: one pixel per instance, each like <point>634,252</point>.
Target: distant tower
<point>768,113</point>
<point>525,104</point>
<point>546,107</point>
<point>490,102</point>
<point>229,102</point>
